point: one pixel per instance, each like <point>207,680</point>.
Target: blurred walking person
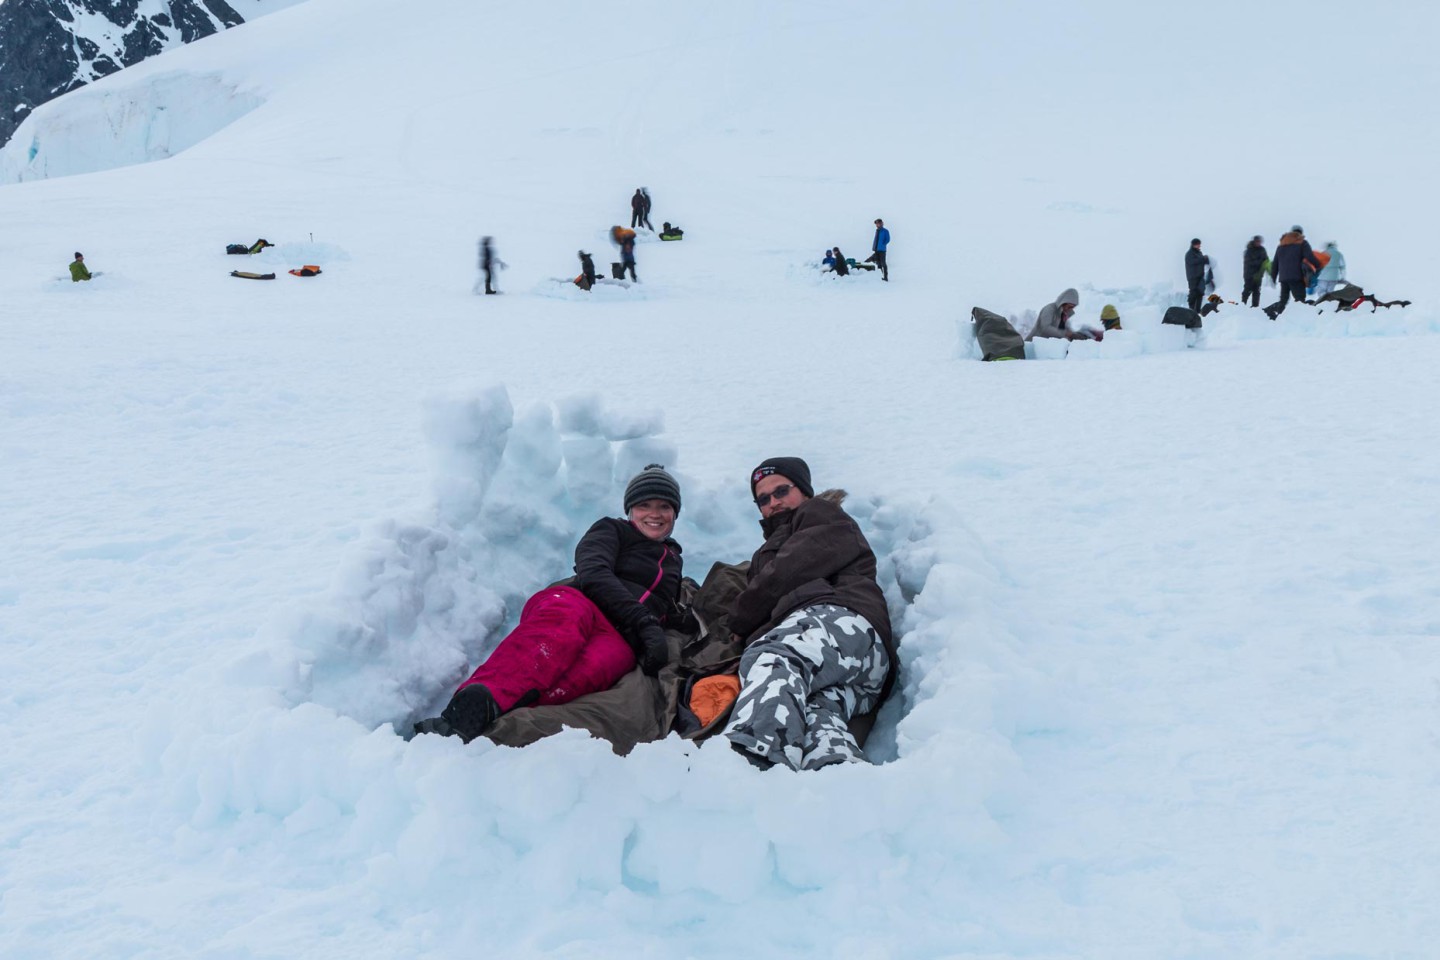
<point>1253,271</point>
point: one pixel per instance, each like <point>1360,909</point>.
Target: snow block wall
<point>693,832</point>
<point>1141,310</point>
<point>114,125</point>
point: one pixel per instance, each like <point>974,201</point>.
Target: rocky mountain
<point>49,47</point>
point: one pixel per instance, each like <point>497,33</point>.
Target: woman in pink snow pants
<point>583,637</point>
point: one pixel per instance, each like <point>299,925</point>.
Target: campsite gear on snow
<point>240,248</point>
<point>1348,296</point>
<point>247,275</point>
<point>78,270</point>
<point>712,697</point>
<point>641,709</point>
<point>997,338</point>
<point>309,270</point>
<point>563,647</point>
<point>1110,317</point>
<point>1184,317</point>
<point>617,270</point>
<point>669,232</point>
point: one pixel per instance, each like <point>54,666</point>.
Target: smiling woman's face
<point>654,518</point>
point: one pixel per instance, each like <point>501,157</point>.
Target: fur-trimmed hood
<point>1291,237</point>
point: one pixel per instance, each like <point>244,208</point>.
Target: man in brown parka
<point>819,648</point>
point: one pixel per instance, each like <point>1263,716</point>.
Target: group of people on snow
<point>815,653</point>
<point>1298,269</point>
<point>836,262</point>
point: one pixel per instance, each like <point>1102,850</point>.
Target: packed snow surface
<point>1168,624</point>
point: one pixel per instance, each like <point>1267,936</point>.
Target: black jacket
<point>632,579</point>
<point>813,554</point>
<point>1290,258</point>
<point>587,267</point>
<point>1195,262</point>
<point>1254,262</point>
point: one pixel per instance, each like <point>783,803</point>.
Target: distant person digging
<point>1053,322</point>
<point>78,270</point>
<point>586,279</point>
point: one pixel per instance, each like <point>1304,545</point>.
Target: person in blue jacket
<point>877,257</point>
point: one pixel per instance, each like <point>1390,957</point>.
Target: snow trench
<point>111,125</point>
<point>565,823</point>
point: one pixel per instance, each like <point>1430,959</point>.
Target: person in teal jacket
<point>1333,273</point>
<point>78,270</point>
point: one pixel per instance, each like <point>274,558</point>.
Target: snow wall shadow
<point>113,125</point>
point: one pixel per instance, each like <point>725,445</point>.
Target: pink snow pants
<point>562,648</point>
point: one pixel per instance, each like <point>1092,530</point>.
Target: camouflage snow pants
<point>800,682</point>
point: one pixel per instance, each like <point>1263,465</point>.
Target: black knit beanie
<point>652,483</point>
<point>794,469</point>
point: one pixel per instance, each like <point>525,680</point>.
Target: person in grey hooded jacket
<point>1333,273</point>
<point>1053,317</point>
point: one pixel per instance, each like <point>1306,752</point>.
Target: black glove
<point>654,649</point>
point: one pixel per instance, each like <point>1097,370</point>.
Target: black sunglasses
<point>779,493</point>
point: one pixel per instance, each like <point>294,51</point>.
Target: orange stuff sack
<point>712,696</point>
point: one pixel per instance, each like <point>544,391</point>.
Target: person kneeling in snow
<point>78,270</point>
<point>819,655</point>
<point>581,636</point>
<point>1052,322</point>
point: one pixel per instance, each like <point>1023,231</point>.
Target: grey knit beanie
<point>652,483</point>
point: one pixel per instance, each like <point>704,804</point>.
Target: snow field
<point>1168,625</point>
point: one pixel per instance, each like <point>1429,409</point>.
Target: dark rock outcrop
<point>44,49</point>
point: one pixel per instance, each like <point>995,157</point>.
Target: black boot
<point>471,711</point>
<point>437,726</point>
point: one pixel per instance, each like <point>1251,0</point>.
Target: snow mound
<point>115,124</point>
